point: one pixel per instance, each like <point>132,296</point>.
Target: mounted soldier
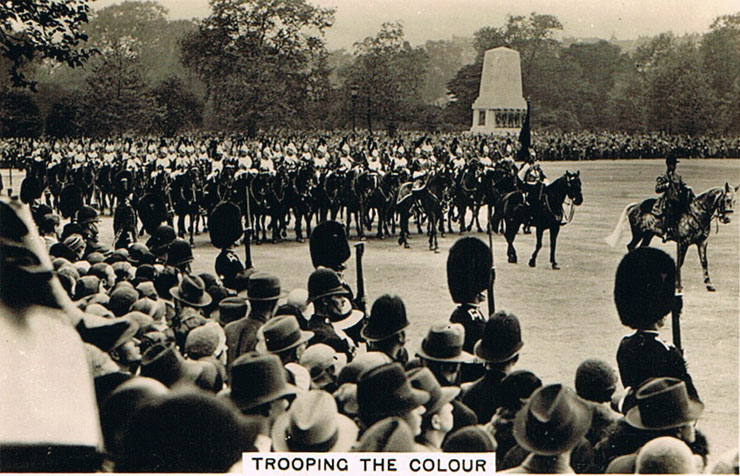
<point>675,198</point>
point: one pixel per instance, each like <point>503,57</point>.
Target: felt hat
<point>165,363</point>
<point>596,380</point>
<point>318,359</point>
<point>385,391</point>
<point>191,291</point>
<point>105,333</point>
<point>663,403</point>
<point>162,237</point>
<point>552,421</point>
<point>313,424</point>
<point>136,252</point>
<point>362,362</point>
<point>187,431</point>
<point>389,435</point>
<point>263,287</point>
<point>470,439</point>
<point>230,309</point>
<point>203,341</point>
<point>122,299</point>
<point>257,379</point>
<point>179,253</point>
<point>324,282</point>
<point>422,378</point>
<point>282,333</point>
<point>443,343</point>
<point>502,338</point>
<point>387,318</point>
<point>516,387</point>
<point>87,214</point>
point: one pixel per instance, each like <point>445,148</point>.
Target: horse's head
<point>726,203</point>
<point>573,186</point>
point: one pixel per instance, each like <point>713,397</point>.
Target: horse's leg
<point>681,249</point>
<point>180,225</point>
<point>702,248</point>
<point>461,210</point>
<point>512,227</point>
<point>192,227</point>
<point>476,213</point>
<point>533,260</point>
<point>553,243</point>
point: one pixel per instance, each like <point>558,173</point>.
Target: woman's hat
<point>313,424</point>
<point>257,379</point>
<point>282,333</point>
<point>663,403</point>
<point>502,338</point>
<point>444,343</point>
<point>191,291</point>
<point>552,421</point>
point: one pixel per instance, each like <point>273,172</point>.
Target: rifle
<point>248,231</point>
<point>360,298</point>
<point>491,301</point>
<point>676,319</point>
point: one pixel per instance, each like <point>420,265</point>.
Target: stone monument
<point>500,107</point>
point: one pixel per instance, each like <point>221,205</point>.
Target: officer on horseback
<point>674,198</point>
<point>533,181</point>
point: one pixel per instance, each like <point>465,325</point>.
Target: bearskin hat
<point>70,200</point>
<point>644,287</point>
<point>328,245</point>
<point>123,182</point>
<point>152,211</point>
<point>225,224</point>
<point>468,269</point>
<point>30,189</point>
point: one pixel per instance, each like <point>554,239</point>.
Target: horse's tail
<point>616,235</point>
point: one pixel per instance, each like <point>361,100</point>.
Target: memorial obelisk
<point>500,107</point>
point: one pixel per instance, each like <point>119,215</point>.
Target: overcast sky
<point>441,19</point>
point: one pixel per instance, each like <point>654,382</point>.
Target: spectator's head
<point>441,351</point>
<point>552,422</point>
<point>516,388</point>
<point>385,391</point>
<point>331,299</point>
<point>283,337</point>
<point>662,404</point>
<point>259,385</point>
<point>644,288</point>
<point>230,309</point>
<point>438,419</point>
<point>191,292</point>
<point>470,439</point>
<point>324,365</point>
<point>207,340</point>
<point>390,435</point>
<point>313,424</point>
<point>666,455</point>
<point>263,292</point>
<point>596,380</point>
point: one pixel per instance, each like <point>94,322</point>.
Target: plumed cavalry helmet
<point>70,200</point>
<point>468,269</point>
<point>328,245</point>
<point>30,189</point>
<point>225,224</point>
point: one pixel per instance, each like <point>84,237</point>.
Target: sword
<point>676,319</point>
<point>360,298</point>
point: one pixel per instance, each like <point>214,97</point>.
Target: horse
<point>301,185</point>
<point>185,190</point>
<point>546,215</point>
<point>361,185</point>
<point>466,195</point>
<point>431,199</point>
<point>383,200</point>
<point>693,226</point>
<point>329,196</point>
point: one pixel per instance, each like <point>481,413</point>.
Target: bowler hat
<point>257,379</point>
<point>324,282</point>
<point>443,343</point>
<point>328,245</point>
<point>502,338</point>
<point>313,424</point>
<point>422,378</point>
<point>387,318</point>
<point>62,250</point>
<point>282,333</point>
<point>263,287</point>
<point>122,299</point>
<point>389,435</point>
<point>230,309</point>
<point>385,391</point>
<point>179,253</point>
<point>191,291</point>
<point>95,257</point>
<point>663,403</point>
<point>362,363</point>
<point>552,421</point>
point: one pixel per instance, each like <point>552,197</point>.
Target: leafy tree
<point>19,115</point>
<point>177,108</point>
<point>720,54</point>
<point>65,117</point>
<point>41,29</point>
<point>445,59</point>
<point>389,75</point>
<point>256,58</point>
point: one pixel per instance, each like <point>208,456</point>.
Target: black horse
<point>383,200</point>
<point>431,199</point>
<point>299,196</point>
<point>360,186</point>
<point>545,214</point>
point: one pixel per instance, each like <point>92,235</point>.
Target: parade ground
<point>566,315</point>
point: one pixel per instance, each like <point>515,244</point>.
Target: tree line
<point>258,65</point>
